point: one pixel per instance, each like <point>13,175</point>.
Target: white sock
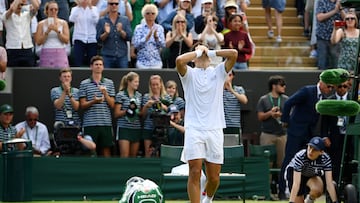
<point>207,199</point>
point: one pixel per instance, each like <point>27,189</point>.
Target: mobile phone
<point>50,20</point>
<point>339,23</point>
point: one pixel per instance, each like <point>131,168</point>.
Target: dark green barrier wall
<point>68,178</point>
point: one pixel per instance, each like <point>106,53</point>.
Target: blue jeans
<point>328,54</point>
<point>116,62</point>
<point>83,50</point>
<point>240,66</point>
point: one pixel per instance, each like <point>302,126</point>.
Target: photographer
<point>177,129</point>
<point>153,103</point>
<point>127,105</point>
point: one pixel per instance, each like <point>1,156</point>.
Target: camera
<point>339,23</point>
<point>132,110</point>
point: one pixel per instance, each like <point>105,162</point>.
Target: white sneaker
<point>278,39</point>
<point>270,34</point>
<point>207,199</point>
<point>313,54</point>
<point>308,200</point>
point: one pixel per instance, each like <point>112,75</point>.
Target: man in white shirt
<point>19,45</point>
<point>204,118</point>
<point>35,131</point>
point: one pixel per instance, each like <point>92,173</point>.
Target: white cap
<point>206,1</point>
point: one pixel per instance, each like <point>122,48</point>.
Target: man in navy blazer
<point>301,119</point>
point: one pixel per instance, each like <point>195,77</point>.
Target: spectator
<point>3,62</point>
<point>176,130</point>
<point>113,31</point>
<point>65,99</point>
<point>127,113</point>
<point>348,38</point>
<point>309,9</point>
<point>269,110</point>
<point>308,170</point>
<point>19,46</point>
<point>155,101</point>
<point>148,40</point>
<point>137,6</point>
<point>211,38</point>
<point>165,8</point>
<point>326,13</point>
<point>230,8</point>
<point>178,40</point>
<point>52,34</point>
<point>35,131</point>
<point>63,13</point>
<point>96,95</point>
<point>301,123</point>
<point>279,7</point>
<point>172,91</point>
<point>184,8</point>
<point>7,130</point>
<point>124,8</point>
<point>233,97</point>
<point>239,40</point>
<point>85,17</point>
<point>334,128</point>
<point>207,8</point>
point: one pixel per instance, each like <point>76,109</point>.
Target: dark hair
<point>234,15</point>
<point>96,58</point>
<point>275,80</point>
<point>198,44</point>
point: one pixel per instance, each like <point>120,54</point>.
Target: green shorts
<point>101,135</point>
<point>147,134</point>
<point>132,135</point>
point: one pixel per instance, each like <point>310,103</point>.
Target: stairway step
<point>287,20</point>
<point>286,41</point>
<point>258,11</point>
<point>286,31</point>
<point>283,61</point>
<point>281,68</point>
<point>258,3</point>
<point>277,51</point>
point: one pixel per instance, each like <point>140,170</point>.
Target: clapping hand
<point>107,28</point>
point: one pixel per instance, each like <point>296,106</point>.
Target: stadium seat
<point>232,177</point>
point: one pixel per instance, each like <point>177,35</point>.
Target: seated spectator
<point>52,34</point>
<point>178,40</point>
<point>184,8</point>
<point>177,130</point>
<point>211,38</point>
<point>19,46</point>
<point>172,91</point>
<point>35,131</point>
<point>85,17</point>
<point>113,31</point>
<point>7,130</point>
<point>148,40</point>
<point>239,40</point>
<point>65,99</point>
<point>200,21</point>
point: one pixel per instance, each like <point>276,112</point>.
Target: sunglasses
<point>180,21</point>
<point>152,13</point>
<point>350,18</point>
<point>113,3</point>
<point>342,86</point>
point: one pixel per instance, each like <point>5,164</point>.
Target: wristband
<point>211,53</point>
<point>198,53</point>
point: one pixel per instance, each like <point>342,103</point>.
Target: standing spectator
<point>137,6</point>
<point>204,118</point>
<point>230,8</point>
<point>326,13</point>
<point>173,92</point>
<point>165,8</point>
<point>19,45</point>
<point>155,101</point>
<point>348,38</point>
<point>148,40</point>
<point>65,100</point>
<point>310,170</point>
<point>178,40</point>
<point>207,7</point>
<point>211,37</point>
<point>279,7</point>
<point>334,128</point>
<point>114,30</point>
<point>63,13</point>
<point>184,8</point>
<point>7,130</point>
<point>269,110</point>
<point>35,131</point>
<point>85,17</point>
<point>127,113</point>
<point>301,123</point>
<point>97,95</point>
<point>239,40</point>
<point>52,34</point>
<point>124,8</point>
<point>234,97</point>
